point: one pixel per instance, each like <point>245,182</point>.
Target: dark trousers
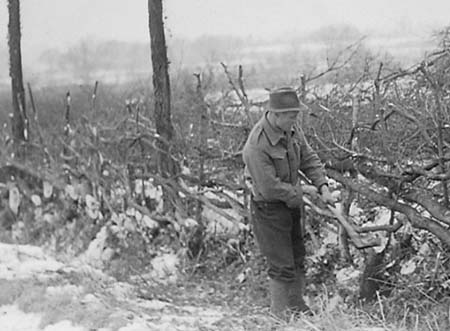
<point>277,230</point>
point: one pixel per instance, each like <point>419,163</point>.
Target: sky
<point>58,23</point>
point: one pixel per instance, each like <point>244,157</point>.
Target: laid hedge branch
<point>417,219</point>
<point>334,213</point>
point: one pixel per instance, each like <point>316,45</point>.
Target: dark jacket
<point>273,174</point>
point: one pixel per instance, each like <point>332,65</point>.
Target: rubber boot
<point>296,290</point>
<point>279,302</point>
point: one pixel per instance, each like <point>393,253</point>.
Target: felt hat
<point>284,99</point>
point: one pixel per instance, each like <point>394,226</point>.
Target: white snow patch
<point>71,192</point>
<point>122,291</point>
<point>331,238</point>
<point>425,250</point>
<point>48,189</point>
<point>92,207</point>
<point>14,199</point>
<point>408,267</point>
<point>153,304</point>
<point>355,210</point>
<point>24,261</point>
<point>150,326</point>
<point>189,223</point>
<point>98,253</point>
<point>36,199</point>
<point>205,317</point>
<point>212,195</point>
<point>164,267</point>
<point>13,319</point>
<point>382,217</point>
<point>150,223</point>
<point>346,275</point>
<point>236,196</point>
<point>66,290</point>
<point>79,266</point>
<point>64,326</point>
<point>151,191</point>
<point>90,298</point>
<point>219,224</point>
<point>140,326</point>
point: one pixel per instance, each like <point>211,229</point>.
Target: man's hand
<point>326,195</point>
<point>310,190</point>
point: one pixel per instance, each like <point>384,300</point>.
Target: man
<point>274,153</point>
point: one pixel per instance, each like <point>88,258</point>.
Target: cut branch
<point>417,220</point>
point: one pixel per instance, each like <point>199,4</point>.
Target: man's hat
<point>284,99</point>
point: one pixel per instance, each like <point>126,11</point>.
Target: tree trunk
<point>372,276</point>
<point>161,88</point>
<point>19,119</point>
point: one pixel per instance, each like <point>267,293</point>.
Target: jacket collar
<point>274,134</point>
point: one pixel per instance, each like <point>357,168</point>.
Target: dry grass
<point>244,307</point>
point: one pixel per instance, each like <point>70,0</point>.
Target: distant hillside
<point>275,60</point>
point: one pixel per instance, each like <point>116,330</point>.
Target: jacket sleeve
<point>264,179</point>
<point>311,165</point>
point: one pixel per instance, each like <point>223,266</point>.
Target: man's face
<point>286,120</point>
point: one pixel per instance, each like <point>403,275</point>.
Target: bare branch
<point>417,220</point>
<point>434,208</point>
<point>240,92</point>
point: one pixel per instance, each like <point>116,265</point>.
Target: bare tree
<point>405,152</point>
<point>161,87</point>
<point>19,129</point>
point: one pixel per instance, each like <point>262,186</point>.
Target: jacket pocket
<point>281,164</point>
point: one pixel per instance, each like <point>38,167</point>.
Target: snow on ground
<point>13,319</point>
<point>60,297</point>
<point>25,263</point>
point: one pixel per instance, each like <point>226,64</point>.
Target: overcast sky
<point>47,23</point>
